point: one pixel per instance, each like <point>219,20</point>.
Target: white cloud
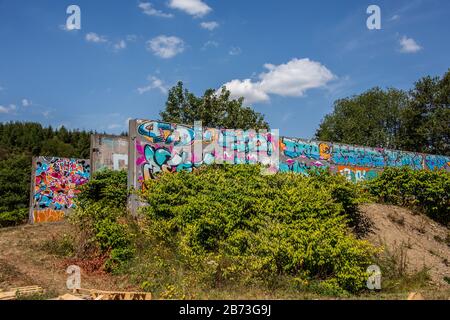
<point>409,45</point>
<point>120,45</point>
<point>93,37</point>
<point>210,25</point>
<point>295,77</point>
<point>210,44</point>
<point>131,37</point>
<point>116,45</point>
<point>155,83</point>
<point>10,109</point>
<point>148,9</point>
<point>251,91</point>
<point>26,103</point>
<point>196,8</point>
<point>165,47</point>
<point>63,27</point>
<point>394,17</point>
<point>291,79</point>
<point>234,51</point>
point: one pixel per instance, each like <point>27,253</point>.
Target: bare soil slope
<point>425,242</point>
<point>23,262</point>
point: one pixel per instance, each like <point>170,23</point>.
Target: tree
<point>417,120</point>
<point>426,121</point>
<point>214,109</point>
<point>370,119</point>
<point>15,175</point>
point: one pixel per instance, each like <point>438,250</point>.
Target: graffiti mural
<point>354,162</point>
<point>55,186</point>
<point>168,147</point>
<point>109,152</point>
<point>357,174</point>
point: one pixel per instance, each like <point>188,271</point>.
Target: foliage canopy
<point>416,121</point>
<point>214,109</point>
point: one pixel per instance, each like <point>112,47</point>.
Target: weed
<point>395,276</point>
<point>62,246</point>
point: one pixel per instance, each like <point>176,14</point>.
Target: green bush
<point>106,187</point>
<point>428,191</point>
<point>13,218</point>
<point>232,224</point>
<point>101,218</point>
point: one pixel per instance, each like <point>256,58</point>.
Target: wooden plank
<point>70,297</point>
<point>25,288</point>
<point>8,296</point>
<point>13,292</point>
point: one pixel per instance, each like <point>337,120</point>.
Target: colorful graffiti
<point>47,215</point>
<point>357,174</point>
<point>55,186</point>
<point>168,147</point>
<point>165,147</point>
<point>354,162</point>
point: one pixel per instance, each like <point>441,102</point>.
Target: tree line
<point>19,142</point>
<point>414,120</point>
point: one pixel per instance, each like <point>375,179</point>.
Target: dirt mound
<point>425,242</point>
<point>23,261</point>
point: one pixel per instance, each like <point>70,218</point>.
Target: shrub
<point>106,187</point>
<point>101,219</point>
<point>232,224</point>
<point>13,218</point>
<point>427,191</point>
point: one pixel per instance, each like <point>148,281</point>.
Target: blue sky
<point>290,59</point>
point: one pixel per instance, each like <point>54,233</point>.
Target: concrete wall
<point>153,147</point>
<point>53,187</point>
<point>355,162</point>
<point>163,147</point>
<point>109,152</point>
